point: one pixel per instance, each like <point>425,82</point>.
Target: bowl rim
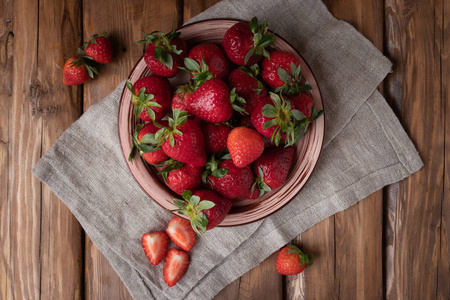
<point>323,115</point>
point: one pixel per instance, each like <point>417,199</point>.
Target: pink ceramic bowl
<point>243,211</point>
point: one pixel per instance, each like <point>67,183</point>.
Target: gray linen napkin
<point>366,149</point>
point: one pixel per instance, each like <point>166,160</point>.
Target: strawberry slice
<point>181,233</point>
<point>155,245</point>
<point>175,266</point>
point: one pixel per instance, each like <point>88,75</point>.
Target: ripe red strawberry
<point>151,97</point>
<point>280,121</point>
<point>232,182</point>
<point>215,137</point>
<point>180,176</point>
<point>212,102</point>
<point>155,246</point>
<point>175,266</point>
<point>207,61</point>
<point>272,168</point>
<point>144,141</point>
<point>303,103</point>
<point>183,140</point>
<point>245,146</point>
<point>247,86</point>
<point>181,97</point>
<point>291,260</point>
<point>164,53</point>
<point>99,49</point>
<point>76,71</point>
<point>205,209</point>
<point>181,233</point>
<point>244,42</point>
<point>282,72</point>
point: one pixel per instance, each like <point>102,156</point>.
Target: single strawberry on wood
<point>155,246</point>
<point>175,266</point>
<point>291,260</point>
<point>164,53</point>
<point>244,43</point>
<point>151,97</point>
<point>77,71</point>
<point>99,48</point>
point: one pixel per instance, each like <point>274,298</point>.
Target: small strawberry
<point>282,72</point>
<point>164,53</point>
<point>247,86</point>
<point>144,141</point>
<point>151,97</point>
<point>175,266</point>
<point>215,137</point>
<point>205,209</point>
<point>183,140</point>
<point>231,181</point>
<point>181,233</point>
<point>272,168</point>
<point>181,97</point>
<point>155,246</point>
<point>180,176</point>
<point>213,102</point>
<point>245,146</point>
<point>99,49</point>
<point>207,61</point>
<point>291,260</point>
<point>76,71</point>
<point>244,42</point>
<point>279,121</point>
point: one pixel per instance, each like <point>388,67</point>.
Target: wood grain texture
<point>443,289</point>
<point>123,20</point>
<point>6,88</point>
<point>24,129</point>
<point>414,37</point>
<point>191,8</point>
<point>61,252</point>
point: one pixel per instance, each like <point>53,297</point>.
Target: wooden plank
<point>191,8</point>
<point>318,281</point>
<point>353,270</point>
<point>123,20</point>
<point>6,87</point>
<point>23,133</point>
<point>61,251</point>
<point>414,33</point>
<point>443,289</point>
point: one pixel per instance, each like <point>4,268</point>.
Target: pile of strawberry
<point>231,130</point>
<point>82,67</point>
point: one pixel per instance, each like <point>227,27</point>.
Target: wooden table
<point>395,244</point>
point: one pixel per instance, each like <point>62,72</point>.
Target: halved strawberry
<point>175,266</point>
<point>181,233</point>
<point>155,246</point>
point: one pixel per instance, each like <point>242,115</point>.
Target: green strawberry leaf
<point>249,55</point>
<point>205,205</point>
<point>219,173</point>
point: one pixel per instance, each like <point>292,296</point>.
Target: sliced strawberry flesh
<point>175,266</point>
<point>155,246</point>
<point>181,233</point>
